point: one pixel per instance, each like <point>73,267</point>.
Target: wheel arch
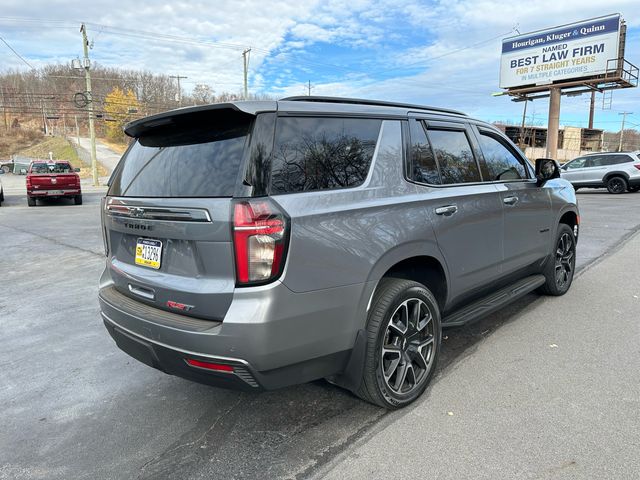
<point>615,173</point>
<point>418,261</point>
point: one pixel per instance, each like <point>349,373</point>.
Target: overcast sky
<point>443,53</point>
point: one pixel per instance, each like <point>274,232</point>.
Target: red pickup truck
<point>53,179</point>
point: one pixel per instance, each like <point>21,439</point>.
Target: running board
<point>493,302</point>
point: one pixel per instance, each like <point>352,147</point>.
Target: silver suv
<point>256,245</point>
<point>618,172</point>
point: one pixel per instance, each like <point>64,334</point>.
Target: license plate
<point>148,252</point>
<point>55,192</point>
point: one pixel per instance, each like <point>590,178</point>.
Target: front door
<point>526,206</point>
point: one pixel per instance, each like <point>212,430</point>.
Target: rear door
<point>594,169</point>
<point>527,207</point>
<point>168,213</point>
<point>466,213</point>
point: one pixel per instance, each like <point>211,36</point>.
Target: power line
<point>17,54</point>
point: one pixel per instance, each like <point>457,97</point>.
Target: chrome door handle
<point>447,210</point>
<point>510,200</point>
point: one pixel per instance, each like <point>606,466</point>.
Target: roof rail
<point>361,101</point>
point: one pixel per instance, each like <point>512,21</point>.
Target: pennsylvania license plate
<point>148,252</point>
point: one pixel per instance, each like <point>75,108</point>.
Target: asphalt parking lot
<point>73,406</point>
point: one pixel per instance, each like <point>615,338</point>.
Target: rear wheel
<point>31,201</point>
<point>403,345</point>
<point>78,199</point>
<point>617,185</point>
<point>561,266</point>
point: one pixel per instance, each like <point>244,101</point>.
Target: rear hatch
<point>168,211</point>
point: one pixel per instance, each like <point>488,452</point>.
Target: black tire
<point>617,185</point>
<point>561,266</point>
<point>633,189</point>
<point>78,199</point>
<point>417,349</point>
<point>31,201</point>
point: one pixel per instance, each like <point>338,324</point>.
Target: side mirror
<point>546,169</point>
<point>76,170</point>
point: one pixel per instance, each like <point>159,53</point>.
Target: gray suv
<point>618,172</point>
<point>256,245</point>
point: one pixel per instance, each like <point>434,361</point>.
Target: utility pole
<point>309,88</point>
<point>245,60</point>
<point>524,116</point>
<point>592,108</point>
<point>75,117</point>
<point>4,108</point>
<point>178,77</point>
<point>92,130</point>
<point>624,117</point>
<point>44,119</point>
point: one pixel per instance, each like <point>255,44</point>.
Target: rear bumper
<point>634,181</point>
<point>174,362</point>
<point>271,336</point>
<point>58,193</point>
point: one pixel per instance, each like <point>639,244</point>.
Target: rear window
<point>322,153</point>
<point>48,168</point>
<point>194,160</point>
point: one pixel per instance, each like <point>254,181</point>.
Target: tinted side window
<point>423,163</point>
<point>501,162</point>
<point>322,153</point>
<point>577,163</point>
<point>454,155</point>
<point>595,161</point>
<point>617,159</point>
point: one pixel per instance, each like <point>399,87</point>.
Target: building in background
<point>572,141</point>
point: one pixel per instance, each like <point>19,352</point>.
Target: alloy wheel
<point>565,253</point>
<point>408,346</point>
<point>616,185</point>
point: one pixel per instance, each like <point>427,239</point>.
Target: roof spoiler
<point>139,127</point>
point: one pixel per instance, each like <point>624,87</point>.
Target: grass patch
<point>14,140</point>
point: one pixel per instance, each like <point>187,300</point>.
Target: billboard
<point>569,52</point>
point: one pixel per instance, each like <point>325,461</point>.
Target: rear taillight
<point>637,165</point>
<point>260,234</point>
<point>103,210</point>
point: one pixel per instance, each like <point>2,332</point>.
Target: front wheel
<point>403,333</point>
<point>561,266</point>
<point>616,185</point>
